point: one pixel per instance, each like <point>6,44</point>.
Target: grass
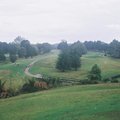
<point>14,73</point>
<point>89,102</point>
<point>109,66</point>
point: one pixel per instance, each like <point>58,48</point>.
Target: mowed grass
<point>87,102</point>
<point>108,65</point>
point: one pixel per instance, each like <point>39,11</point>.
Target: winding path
<point>30,74</point>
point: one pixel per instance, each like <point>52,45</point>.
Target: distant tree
<point>78,48</point>
<point>70,56</point>
<point>75,61</point>
<point>96,46</point>
<point>95,73</point>
<point>3,47</point>
<point>63,62</point>
<point>2,57</point>
<point>18,40</point>
<point>114,49</point>
<point>13,58</point>
<point>63,45</point>
<point>12,48</point>
<point>22,52</point>
<point>44,48</point>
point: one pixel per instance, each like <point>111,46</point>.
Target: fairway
<point>89,102</point>
<point>108,65</point>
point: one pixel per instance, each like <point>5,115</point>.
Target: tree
<point>78,48</point>
<point>18,40</point>
<point>114,49</point>
<point>63,62</point>
<point>95,73</point>
<point>63,45</point>
<point>13,58</point>
<point>75,61</point>
<point>21,52</point>
<point>2,57</point>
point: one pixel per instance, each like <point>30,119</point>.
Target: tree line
<point>70,55</point>
<point>22,48</point>
<point>112,49</point>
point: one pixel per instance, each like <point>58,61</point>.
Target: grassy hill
<point>89,102</point>
<point>109,66</point>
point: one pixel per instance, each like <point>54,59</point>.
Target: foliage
<point>2,57</point>
<point>63,45</point>
<point>114,49</point>
<point>96,46</point>
<point>95,73</point>
<point>2,83</point>
<point>13,58</point>
<point>70,55</point>
<point>44,48</point>
<point>29,87</point>
<point>63,62</point>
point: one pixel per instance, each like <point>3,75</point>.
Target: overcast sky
<point>55,20</point>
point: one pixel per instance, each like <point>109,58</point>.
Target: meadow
<point>109,66</point>
<point>86,102</point>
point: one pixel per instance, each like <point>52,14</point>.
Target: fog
<point>55,20</point>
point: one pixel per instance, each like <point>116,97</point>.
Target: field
<point>83,102</point>
<point>109,66</point>
<point>13,73</point>
<point>89,102</point>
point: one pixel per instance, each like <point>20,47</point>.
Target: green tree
<point>78,48</point>
<point>75,61</point>
<point>13,58</point>
<point>2,57</point>
<point>63,45</point>
<point>114,49</point>
<point>63,62</point>
<point>21,52</point>
<point>95,73</point>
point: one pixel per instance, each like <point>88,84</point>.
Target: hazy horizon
<point>55,20</point>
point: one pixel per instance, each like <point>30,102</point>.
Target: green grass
<point>89,102</point>
<point>109,66</point>
<point>13,73</point>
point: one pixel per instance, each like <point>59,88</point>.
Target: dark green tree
<point>78,48</point>
<point>75,61</point>
<point>63,45</point>
<point>2,57</point>
<point>13,58</point>
<point>63,62</point>
<point>95,73</point>
<point>114,49</point>
<point>22,52</point>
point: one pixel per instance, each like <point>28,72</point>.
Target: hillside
<point>89,102</point>
<point>108,65</point>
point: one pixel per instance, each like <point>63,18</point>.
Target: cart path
<point>26,71</point>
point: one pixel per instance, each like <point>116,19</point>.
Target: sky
<point>55,20</point>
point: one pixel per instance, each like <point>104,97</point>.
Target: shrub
<point>87,81</point>
<point>114,81</point>
<point>29,87</point>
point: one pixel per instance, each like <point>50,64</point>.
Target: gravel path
<point>30,74</point>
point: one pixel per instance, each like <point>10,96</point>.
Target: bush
<point>13,58</point>
<point>106,80</point>
<point>29,87</point>
<point>87,81</point>
<point>114,81</point>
